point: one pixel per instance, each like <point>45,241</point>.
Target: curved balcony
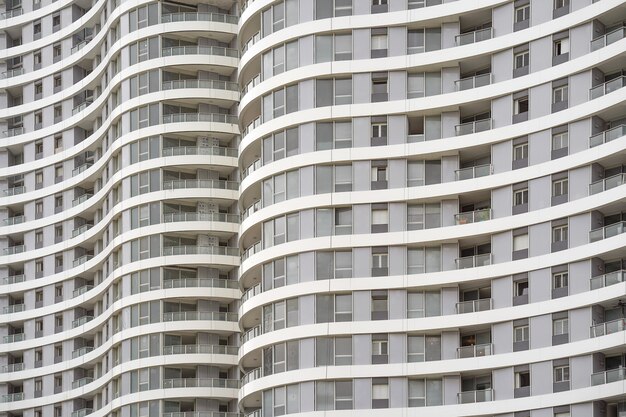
<point>200,150</point>
<point>473,261</point>
<point>199,315</point>
<point>200,383</point>
<point>607,183</point>
<point>473,82</point>
<point>609,327</point>
<point>213,84</point>
<point>606,377</point>
<point>474,351</point>
<point>199,17</point>
<point>473,37</point>
<point>200,217</point>
<point>200,283</point>
<point>608,38</point>
<point>473,216</point>
<point>199,250</point>
<point>199,117</point>
<point>200,349</point>
<point>607,136</point>
<point>473,306</point>
<point>607,231</point>
<point>478,396</point>
<point>182,184</point>
<point>199,50</point>
<point>607,279</point>
<point>607,87</point>
<point>472,127</point>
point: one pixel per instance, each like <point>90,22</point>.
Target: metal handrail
<point>473,306</point>
<point>200,283</point>
<point>82,229</point>
<point>473,172</point>
<point>606,377</point>
<point>205,217</point>
<point>477,396</point>
<point>607,136</point>
<point>473,261</point>
<point>199,315</point>
<point>475,81</point>
<point>81,290</point>
<point>199,50</point>
<point>251,292</point>
<point>81,321</point>
<point>199,17</point>
<point>607,279</point>
<point>251,251</point>
<point>473,127</point>
<point>608,38</point>
<point>194,183</point>
<point>14,308</point>
<point>199,117</point>
<point>14,191</point>
<point>200,382</point>
<point>607,231</point>
<point>200,349</point>
<point>200,150</point>
<point>199,250</point>
<point>609,327</point>
<point>474,36</point>
<point>474,351</point>
<point>607,183</point>
<point>607,87</point>
<point>14,250</point>
<point>473,216</point>
<point>191,83</point>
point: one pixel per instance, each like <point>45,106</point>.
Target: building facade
<point>312,207</point>
<point>432,208</point>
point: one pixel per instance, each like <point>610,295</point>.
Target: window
<point>343,395</point>
<point>39,237</point>
<point>380,260</point>
<point>522,13</point>
<point>343,307</point>
<point>58,143</point>
<point>561,374</point>
<point>58,81</point>
<point>520,288</point>
<point>58,321</point>
<point>58,112</point>
<point>520,151</point>
<point>56,50</point>
<point>37,27</point>
<point>379,173</point>
<point>521,59</point>
<point>559,233</point>
<point>561,3</point>
<point>423,392</point>
<point>561,47</point>
<point>560,187</point>
<point>380,345</point>
<point>560,326</point>
<point>420,260</point>
<point>379,129</point>
<point>521,333</point>
<point>560,94</point>
<point>560,141</point>
<point>423,304</point>
<point>379,42</point>
<point>380,393</point>
<point>38,207</point>
<point>560,280</point>
<point>58,291</point>
<point>380,305</point>
<point>56,19</point>
<point>520,197</point>
<point>38,177</point>
<point>522,379</point>
<point>38,88</point>
<point>520,105</point>
<point>415,41</point>
<point>380,220</point>
<point>520,242</point>
<point>343,47</point>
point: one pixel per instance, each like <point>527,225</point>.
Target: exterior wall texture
<point>312,207</point>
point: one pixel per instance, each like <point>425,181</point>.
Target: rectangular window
<point>522,379</point>
<point>560,141</point>
<point>520,242</point>
<point>560,280</point>
<point>561,47</point>
<point>561,373</point>
<point>521,333</point>
<point>520,151</point>
<point>560,94</point>
<point>560,327</point>
<point>559,233</point>
<point>561,3</point>
<point>520,105</point>
<point>522,59</point>
<point>520,197</point>
<point>522,13</point>
<point>560,187</point>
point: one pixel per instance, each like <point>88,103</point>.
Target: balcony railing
<point>81,168</point>
<point>14,367</point>
<point>199,250</point>
<point>473,306</point>
<point>473,127</point>
<point>82,106</point>
<point>473,261</point>
<point>14,191</point>
<point>200,150</point>
<point>200,283</point>
<point>609,327</point>
<point>214,84</point>
<point>251,126</point>
<point>17,337</point>
<point>251,168</point>
<point>12,13</point>
<point>82,382</point>
<point>473,37</point>
<point>607,231</point>
<point>251,84</point>
<point>13,73</point>
<point>80,45</point>
<point>200,382</point>
<point>81,260</point>
<point>607,136</point>
<point>82,412</point>
<point>251,292</point>
<point>474,351</point>
<point>81,199</point>
<point>192,183</point>
<point>15,131</point>
<point>473,216</point>
<point>473,82</point>
<point>82,229</point>
<point>81,290</point>
<point>607,279</point>
<point>199,17</point>
<point>82,351</point>
<point>473,172</point>
<point>13,220</point>
<point>199,117</point>
<point>606,377</point>
<point>202,414</point>
<point>199,50</point>
<point>14,250</point>
<point>477,396</point>
<point>251,376</point>
<point>251,251</point>
<point>9,398</point>
<point>250,334</point>
<point>608,38</point>
<point>13,279</point>
<point>251,210</point>
<point>607,87</point>
<point>15,308</point>
<point>254,39</point>
<point>199,315</point>
<point>607,183</point>
<point>197,217</point>
<point>202,349</point>
<point>81,321</point>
